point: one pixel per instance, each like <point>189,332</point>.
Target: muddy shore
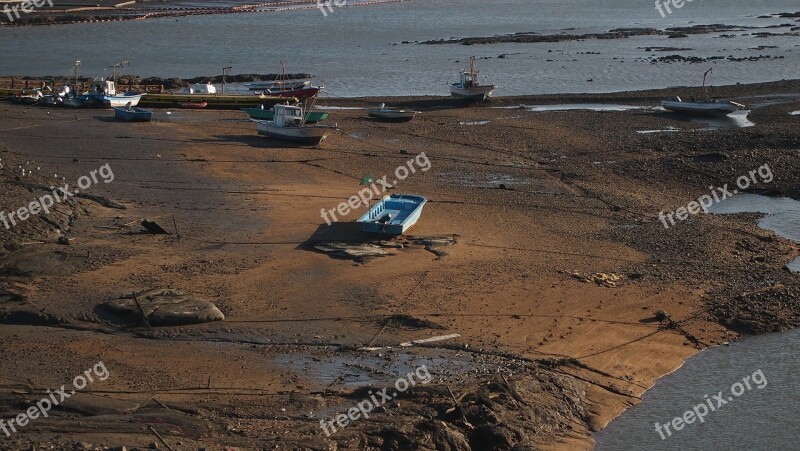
<point>540,247</point>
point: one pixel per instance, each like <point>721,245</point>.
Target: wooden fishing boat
<point>278,84</point>
<point>393,215</point>
<point>129,113</point>
<point>469,87</point>
<point>207,94</point>
<point>288,88</point>
<point>289,125</point>
<point>312,117</point>
<point>391,114</point>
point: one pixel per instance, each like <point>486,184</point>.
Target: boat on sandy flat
<point>702,108</point>
<point>393,215</point>
<point>193,105</point>
<point>130,113</point>
<point>470,87</point>
<point>207,93</point>
<point>289,125</point>
<point>278,84</point>
<point>312,117</point>
<point>382,113</point>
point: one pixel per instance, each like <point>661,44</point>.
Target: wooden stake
<point>141,310</point>
<point>161,438</point>
<point>177,233</point>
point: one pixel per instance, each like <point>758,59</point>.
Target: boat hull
<point>479,92</point>
<point>133,114</point>
<point>268,115</point>
<point>302,93</point>
<point>313,134</point>
<point>121,100</point>
<point>391,115</point>
<point>715,109</point>
<point>216,101</point>
<point>406,208</point>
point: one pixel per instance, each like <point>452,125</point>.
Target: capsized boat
<point>393,215</point>
<point>382,113</point>
<point>702,108</point>
<point>128,113</point>
<point>469,87</point>
<point>289,125</point>
<point>312,117</point>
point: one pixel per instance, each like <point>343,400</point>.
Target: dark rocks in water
<point>678,35</point>
<point>167,307</point>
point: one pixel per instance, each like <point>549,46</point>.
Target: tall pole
<point>225,72</point>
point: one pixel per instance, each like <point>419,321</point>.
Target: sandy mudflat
<point>559,266</point>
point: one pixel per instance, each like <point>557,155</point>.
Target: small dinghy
<point>193,105</point>
<point>289,125</point>
<point>702,108</point>
<point>129,113</point>
<point>393,215</point>
<point>706,107</point>
<point>391,114</point>
<point>469,87</point>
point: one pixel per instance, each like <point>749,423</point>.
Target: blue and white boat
<point>393,215</point>
<point>105,94</point>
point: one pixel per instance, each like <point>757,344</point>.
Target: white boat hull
<point>121,100</point>
<point>391,115</point>
<point>716,108</point>
<point>308,134</point>
<point>480,92</point>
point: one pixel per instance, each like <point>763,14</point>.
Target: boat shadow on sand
<point>346,241</point>
<point>731,121</point>
<point>252,141</point>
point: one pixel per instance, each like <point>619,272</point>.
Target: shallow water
<point>358,51</point>
<point>758,419</point>
<point>782,215</point>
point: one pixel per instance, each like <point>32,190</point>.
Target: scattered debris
<point>602,279</point>
<point>154,228</point>
<point>357,252</point>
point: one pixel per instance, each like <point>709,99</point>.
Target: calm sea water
<point>759,419</point>
<point>356,51</point>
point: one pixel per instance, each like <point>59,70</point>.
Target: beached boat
<point>312,117</point>
<point>393,215</point>
<point>129,113</point>
<point>469,87</point>
<point>289,125</point>
<point>391,114</point>
<point>706,107</point>
<point>278,84</point>
<point>193,105</point>
<point>105,95</point>
<point>288,88</point>
<point>207,93</point>
<point>702,108</point>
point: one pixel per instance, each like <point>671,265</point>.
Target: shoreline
<point>527,286</point>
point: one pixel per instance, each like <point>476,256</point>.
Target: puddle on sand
<point>795,113</point>
<point>375,369</point>
<point>734,120</point>
<point>579,106</point>
<point>783,215</point>
<point>491,180</point>
<point>663,130</point>
<point>473,122</point>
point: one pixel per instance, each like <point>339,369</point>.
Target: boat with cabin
<point>393,215</point>
<point>289,125</point>
<point>470,87</point>
<point>312,117</point>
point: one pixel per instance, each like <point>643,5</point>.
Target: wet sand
<point>547,209</point>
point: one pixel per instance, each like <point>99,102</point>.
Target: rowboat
<point>393,215</point>
<point>702,108</point>
<point>469,87</point>
<point>129,113</point>
<point>312,117</point>
<point>193,105</point>
<point>391,114</point>
<point>289,125</point>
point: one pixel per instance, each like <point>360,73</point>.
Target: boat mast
<point>116,69</point>
<point>705,89</point>
<point>225,72</point>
